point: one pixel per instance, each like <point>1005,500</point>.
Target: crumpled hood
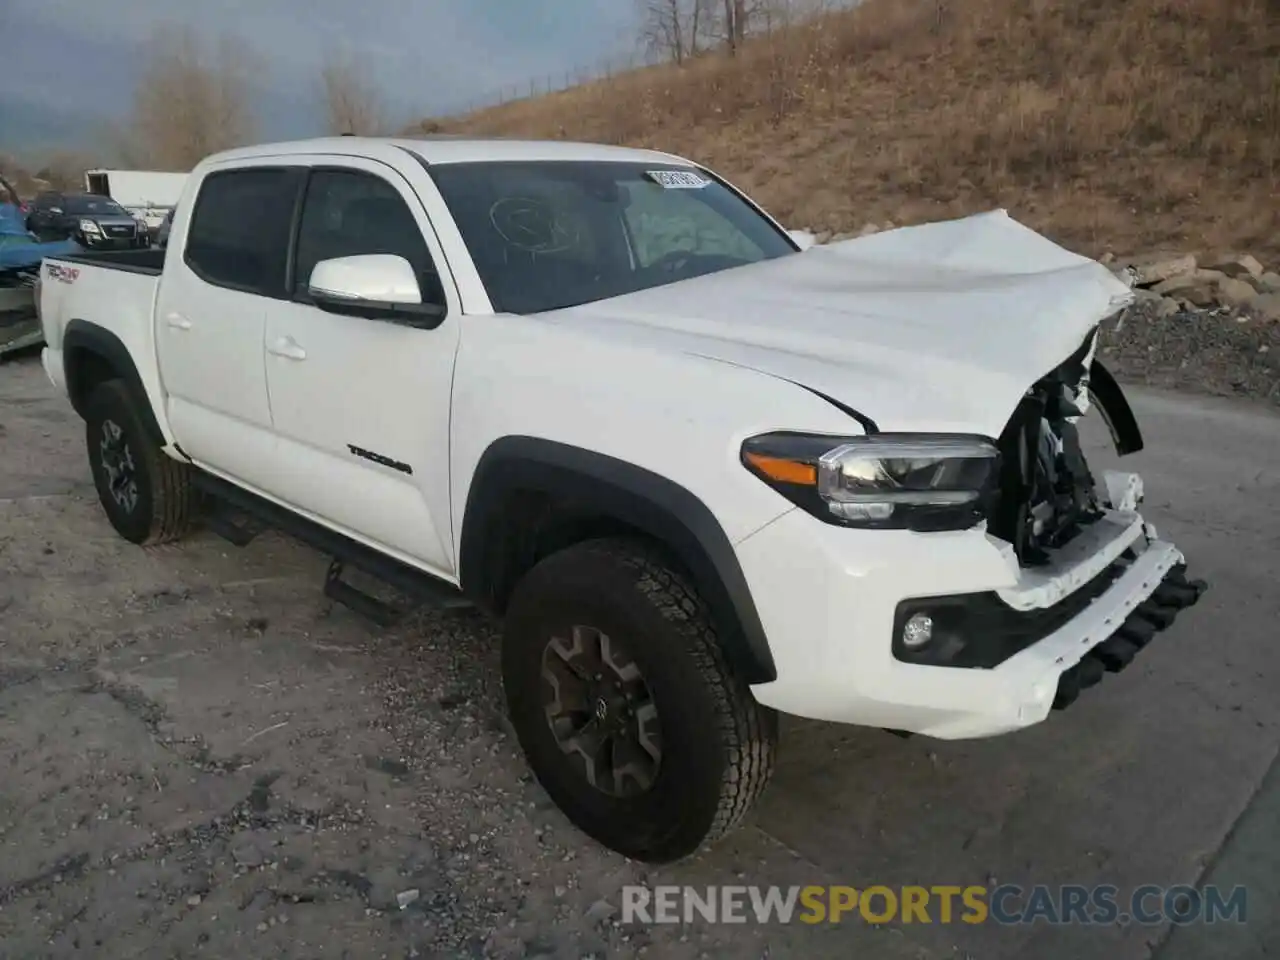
<point>938,327</point>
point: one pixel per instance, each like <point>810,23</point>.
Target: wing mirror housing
<point>376,286</point>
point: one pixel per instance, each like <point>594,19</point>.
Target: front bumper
<point>828,598</point>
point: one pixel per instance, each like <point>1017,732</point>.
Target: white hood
<point>938,327</point>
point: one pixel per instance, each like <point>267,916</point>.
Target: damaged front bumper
<point>1010,643</point>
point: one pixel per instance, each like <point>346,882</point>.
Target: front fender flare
<point>604,486</point>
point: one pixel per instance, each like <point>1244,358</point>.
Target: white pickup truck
<point>704,472</point>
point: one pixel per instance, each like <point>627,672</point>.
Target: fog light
<point>918,631</point>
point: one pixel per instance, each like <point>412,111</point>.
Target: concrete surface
<point>201,756</point>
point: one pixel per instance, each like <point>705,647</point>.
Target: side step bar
<point>1174,594</point>
<point>238,516</point>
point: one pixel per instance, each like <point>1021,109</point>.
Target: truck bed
<point>149,261</point>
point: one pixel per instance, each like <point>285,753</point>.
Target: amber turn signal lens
<point>784,471</point>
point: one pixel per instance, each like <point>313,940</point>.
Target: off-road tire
<point>166,503</point>
<point>718,743</point>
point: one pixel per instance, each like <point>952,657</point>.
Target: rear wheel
<point>146,494</point>
<point>625,706</point>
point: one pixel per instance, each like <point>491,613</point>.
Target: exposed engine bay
<point>1047,493</point>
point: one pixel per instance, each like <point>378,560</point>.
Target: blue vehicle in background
<point>21,255</point>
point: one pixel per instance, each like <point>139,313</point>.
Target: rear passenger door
<point>361,407</point>
<point>211,316</point>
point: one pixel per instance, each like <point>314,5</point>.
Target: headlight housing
<point>913,481</point>
<point>88,226</point>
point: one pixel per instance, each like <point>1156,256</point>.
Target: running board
<point>239,516</point>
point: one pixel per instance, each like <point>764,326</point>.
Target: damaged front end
<point>1074,538</point>
<point>1047,493</point>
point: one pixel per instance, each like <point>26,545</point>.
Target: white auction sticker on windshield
<point>677,179</point>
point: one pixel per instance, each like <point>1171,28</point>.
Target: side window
<point>663,222</point>
<point>239,232</point>
<point>348,213</point>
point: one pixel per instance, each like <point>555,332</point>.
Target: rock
<point>1236,266</point>
<point>247,854</point>
<point>1164,268</point>
<point>1236,292</point>
<point>1106,258</point>
<point>1167,307</point>
<point>1146,296</point>
<point>1266,306</point>
<point>1207,279</point>
<point>599,911</point>
<point>193,900</point>
<point>869,229</point>
<point>406,897</point>
<point>1269,283</point>
<point>822,236</point>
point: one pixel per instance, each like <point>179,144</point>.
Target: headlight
<point>88,226</point>
<point>888,481</point>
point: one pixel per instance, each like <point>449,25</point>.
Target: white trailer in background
<point>148,194</point>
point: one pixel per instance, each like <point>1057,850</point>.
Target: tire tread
<point>174,498</point>
<point>748,729</point>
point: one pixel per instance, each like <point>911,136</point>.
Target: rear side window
<point>239,231</point>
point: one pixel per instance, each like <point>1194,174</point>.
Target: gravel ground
<point>201,756</point>
<point>1223,353</point>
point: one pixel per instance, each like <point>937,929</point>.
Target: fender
<point>597,485</point>
<point>80,337</point>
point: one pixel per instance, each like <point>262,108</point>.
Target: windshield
<point>92,204</point>
<point>551,234</point>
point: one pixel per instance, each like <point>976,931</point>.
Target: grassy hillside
<point>1124,125</point>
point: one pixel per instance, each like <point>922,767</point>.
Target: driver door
<point>360,407</point>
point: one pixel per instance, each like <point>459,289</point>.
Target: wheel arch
<point>530,497</point>
<point>92,354</point>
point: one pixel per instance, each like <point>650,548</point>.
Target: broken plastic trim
<point>1174,594</point>
<point>1115,410</point>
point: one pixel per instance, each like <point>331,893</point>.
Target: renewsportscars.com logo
<point>1006,904</point>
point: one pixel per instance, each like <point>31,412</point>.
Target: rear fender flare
<point>83,337</point>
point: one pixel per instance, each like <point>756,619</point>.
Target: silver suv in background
<point>162,231</point>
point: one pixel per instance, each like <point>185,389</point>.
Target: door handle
<point>288,348</point>
<point>177,321</point>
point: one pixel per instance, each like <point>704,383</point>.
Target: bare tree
<point>351,99</point>
<point>675,30</point>
<point>190,101</point>
<point>64,170</point>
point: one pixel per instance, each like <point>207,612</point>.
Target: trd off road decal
<point>61,273</point>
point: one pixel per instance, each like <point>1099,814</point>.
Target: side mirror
<point>376,286</point>
<point>803,238</point>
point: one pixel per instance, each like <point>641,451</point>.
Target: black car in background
<point>93,221</point>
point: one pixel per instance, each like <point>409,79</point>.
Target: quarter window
<point>239,234</point>
<point>348,213</point>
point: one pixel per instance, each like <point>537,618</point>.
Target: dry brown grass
<point>1125,125</point>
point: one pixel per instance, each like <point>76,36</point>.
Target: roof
<point>441,149</point>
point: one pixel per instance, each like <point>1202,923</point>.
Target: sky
<point>66,66</point>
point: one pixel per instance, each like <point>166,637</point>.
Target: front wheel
<point>146,494</point>
<point>624,704</point>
